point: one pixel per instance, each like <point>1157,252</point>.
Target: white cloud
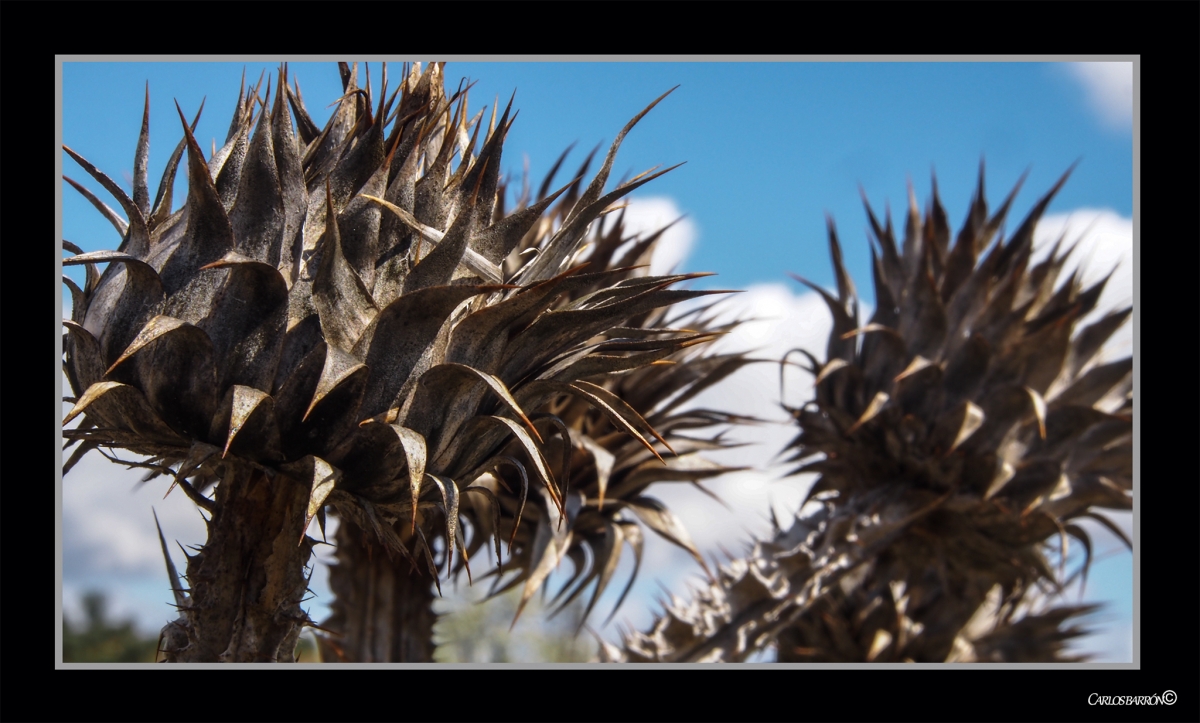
<point>1104,244</point>
<point>110,543</point>
<point>108,522</point>
<point>776,319</point>
<point>1110,90</point>
<point>647,215</point>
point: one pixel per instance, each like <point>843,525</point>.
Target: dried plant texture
<point>334,319</point>
<point>382,608</point>
<point>616,418</point>
<point>609,414</point>
<point>960,436</point>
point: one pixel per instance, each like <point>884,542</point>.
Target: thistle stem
<point>247,582</point>
<point>383,609</point>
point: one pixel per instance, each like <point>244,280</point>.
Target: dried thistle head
<point>346,309</point>
<point>959,435</point>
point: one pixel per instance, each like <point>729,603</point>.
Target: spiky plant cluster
<point>612,420</point>
<point>960,435</point>
<point>334,318</point>
<point>623,426</point>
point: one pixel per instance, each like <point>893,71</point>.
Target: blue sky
<point>770,149</point>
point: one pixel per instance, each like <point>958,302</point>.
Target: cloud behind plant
<point>1109,89</point>
<point>779,317</point>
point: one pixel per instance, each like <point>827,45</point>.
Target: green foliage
<point>100,640</point>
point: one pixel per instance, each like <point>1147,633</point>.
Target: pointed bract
<point>951,446</point>
<point>338,315</point>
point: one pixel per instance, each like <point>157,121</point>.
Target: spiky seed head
<point>967,424</point>
<point>347,309</point>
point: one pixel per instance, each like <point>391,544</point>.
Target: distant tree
<point>99,640</point>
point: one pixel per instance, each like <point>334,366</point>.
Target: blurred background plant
<point>98,639</point>
<point>468,632</point>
